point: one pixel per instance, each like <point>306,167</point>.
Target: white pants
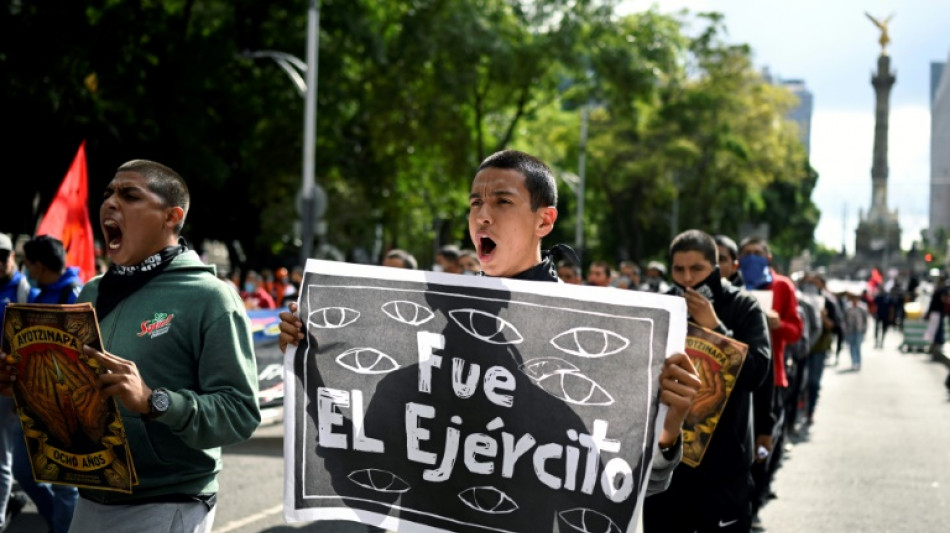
<point>92,517</point>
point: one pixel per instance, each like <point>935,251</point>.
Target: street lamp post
<point>310,130</point>
<point>307,87</point>
<point>581,174</point>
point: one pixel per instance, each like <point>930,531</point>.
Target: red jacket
<point>259,299</point>
<point>785,304</point>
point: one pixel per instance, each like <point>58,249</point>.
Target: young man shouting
<point>512,206</point>
<point>177,348</point>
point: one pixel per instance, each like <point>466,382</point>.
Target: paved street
<point>876,459</point>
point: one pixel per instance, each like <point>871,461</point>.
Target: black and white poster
<point>423,401</point>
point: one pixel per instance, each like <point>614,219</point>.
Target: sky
<point>833,47</point>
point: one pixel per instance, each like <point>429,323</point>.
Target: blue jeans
<point>854,342</point>
<point>8,423</point>
<point>816,367</point>
<point>146,518</point>
<point>54,502</point>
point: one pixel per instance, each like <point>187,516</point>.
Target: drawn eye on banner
<point>488,500</point>
<point>407,312</point>
<point>486,327</point>
<point>590,342</point>
<point>367,361</point>
<point>428,402</point>
<point>378,480</point>
<point>333,317</point>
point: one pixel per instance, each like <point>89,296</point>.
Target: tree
<point>687,129</point>
<point>411,96</point>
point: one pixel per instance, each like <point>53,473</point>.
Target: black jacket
<point>731,450</point>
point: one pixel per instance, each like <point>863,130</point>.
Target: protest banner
<point>265,330</point>
<point>424,401</point>
<point>764,297</point>
<point>718,360</point>
<point>74,434</point>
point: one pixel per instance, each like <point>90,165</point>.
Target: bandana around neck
<point>755,271</point>
<point>121,281</point>
<point>546,270</point>
<point>710,288</point>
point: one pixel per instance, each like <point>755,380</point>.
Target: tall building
<point>801,113</point>
<point>936,70</point>
<point>940,149</point>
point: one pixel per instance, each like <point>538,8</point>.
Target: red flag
<point>67,218</point>
<point>875,280</point>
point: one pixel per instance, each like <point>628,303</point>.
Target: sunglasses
<point>4,255</point>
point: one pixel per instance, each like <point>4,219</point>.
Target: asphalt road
<point>877,459</point>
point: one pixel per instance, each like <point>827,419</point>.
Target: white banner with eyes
<point>424,401</point>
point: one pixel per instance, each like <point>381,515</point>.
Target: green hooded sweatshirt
<point>187,332</point>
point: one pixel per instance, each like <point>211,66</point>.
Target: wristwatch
<point>158,403</point>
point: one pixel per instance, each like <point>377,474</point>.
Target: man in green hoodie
<point>179,357</point>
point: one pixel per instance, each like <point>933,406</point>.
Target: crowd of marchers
<point>805,328</point>
<point>794,326</point>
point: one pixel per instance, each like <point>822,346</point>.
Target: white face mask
<point>810,288</point>
<point>437,268</point>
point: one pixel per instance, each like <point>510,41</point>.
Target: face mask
<point>755,271</point>
<point>810,288</point>
<point>249,287</point>
<point>710,288</point>
<point>437,268</point>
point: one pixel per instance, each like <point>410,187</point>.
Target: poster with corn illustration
<point>74,434</point>
<point>718,360</point>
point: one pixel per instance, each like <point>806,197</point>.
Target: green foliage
<point>823,256</point>
<point>411,96</point>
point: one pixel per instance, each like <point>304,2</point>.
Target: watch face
<point>159,401</point>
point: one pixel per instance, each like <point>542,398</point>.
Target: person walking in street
<point>448,259</point>
<point>855,326</point>
<point>884,311</point>
<point>599,273</point>
<point>14,288</point>
<point>729,260</point>
<point>718,490</point>
<point>939,307</point>
<point>830,324</point>
<point>184,390</point>
<point>397,258</point>
<point>45,260</point>
<point>654,278</point>
<point>512,206</point>
<point>785,326</point>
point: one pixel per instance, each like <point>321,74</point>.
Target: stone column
<point>882,83</point>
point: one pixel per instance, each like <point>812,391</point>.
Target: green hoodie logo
<point>157,326</point>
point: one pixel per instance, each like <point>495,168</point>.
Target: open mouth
<point>113,234</point>
<point>486,245</point>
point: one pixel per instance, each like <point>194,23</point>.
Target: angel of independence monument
<point>878,235</point>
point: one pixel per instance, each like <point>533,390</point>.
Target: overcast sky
<point>833,47</point>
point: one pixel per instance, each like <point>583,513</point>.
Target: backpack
<point>799,349</point>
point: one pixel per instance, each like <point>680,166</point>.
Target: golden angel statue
<point>882,25</point>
